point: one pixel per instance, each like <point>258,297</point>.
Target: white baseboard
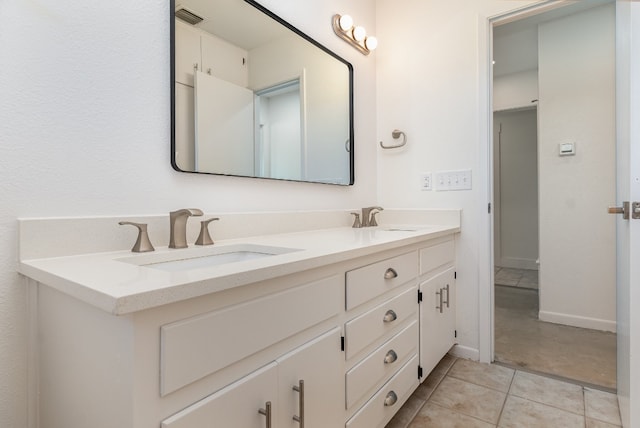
<point>515,263</point>
<point>465,352</point>
<point>577,321</point>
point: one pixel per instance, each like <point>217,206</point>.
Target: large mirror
<point>253,96</point>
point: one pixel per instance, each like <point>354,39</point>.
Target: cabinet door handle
<point>390,274</point>
<point>439,294</point>
<point>447,290</point>
<point>390,399</point>
<point>390,316</point>
<point>267,412</point>
<point>390,357</point>
<point>300,389</point>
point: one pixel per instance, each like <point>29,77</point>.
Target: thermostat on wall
<point>567,149</point>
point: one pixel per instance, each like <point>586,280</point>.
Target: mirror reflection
<point>255,97</point>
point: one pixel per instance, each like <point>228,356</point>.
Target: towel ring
<point>396,134</point>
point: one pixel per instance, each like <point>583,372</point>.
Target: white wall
<point>84,130</point>
<point>429,87</point>
<point>577,103</point>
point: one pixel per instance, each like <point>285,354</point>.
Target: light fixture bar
<point>348,35</point>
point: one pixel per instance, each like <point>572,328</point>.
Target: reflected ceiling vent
<point>188,16</point>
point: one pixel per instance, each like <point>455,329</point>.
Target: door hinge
<point>419,372</point>
<point>419,296</point>
<point>342,343</point>
<point>489,208</point>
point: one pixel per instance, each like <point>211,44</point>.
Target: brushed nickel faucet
<point>369,216</point>
<point>178,224</point>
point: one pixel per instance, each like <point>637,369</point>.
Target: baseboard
<point>577,321</point>
<point>465,352</point>
<point>515,263</point>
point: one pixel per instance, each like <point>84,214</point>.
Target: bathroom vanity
<point>321,328</point>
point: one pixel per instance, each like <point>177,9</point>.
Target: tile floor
<point>465,394</point>
<point>522,278</point>
<point>523,341</point>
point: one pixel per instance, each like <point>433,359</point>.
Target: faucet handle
<point>205,238</point>
<point>356,221</point>
<point>143,244</point>
<point>373,221</point>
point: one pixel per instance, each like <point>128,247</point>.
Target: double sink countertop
<point>122,282</point>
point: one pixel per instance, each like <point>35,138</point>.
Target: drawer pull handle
<point>300,389</point>
<point>447,290</point>
<point>390,399</point>
<point>439,294</point>
<point>267,412</point>
<point>391,357</point>
<point>390,274</point>
<point>390,316</point>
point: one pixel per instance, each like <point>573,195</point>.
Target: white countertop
<point>118,287</point>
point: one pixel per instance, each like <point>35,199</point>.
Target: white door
<point>311,384</point>
<point>628,189</point>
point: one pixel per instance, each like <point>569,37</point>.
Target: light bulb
<point>371,43</point>
<point>346,22</point>
<point>359,33</point>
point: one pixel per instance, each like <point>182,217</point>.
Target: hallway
<point>522,341</point>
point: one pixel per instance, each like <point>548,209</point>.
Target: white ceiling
<point>235,21</point>
<point>515,44</point>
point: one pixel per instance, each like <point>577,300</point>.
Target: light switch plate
<point>453,180</point>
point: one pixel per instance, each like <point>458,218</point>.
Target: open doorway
<point>554,174</point>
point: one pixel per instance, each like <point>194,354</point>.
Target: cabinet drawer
<point>367,282</point>
<point>381,363</point>
<point>236,405</point>
<point>436,255</point>
<point>195,347</point>
<point>365,329</point>
<point>376,412</point>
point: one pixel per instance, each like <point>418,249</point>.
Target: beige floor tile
<point>434,416</point>
<point>469,399</point>
<point>406,413</point>
<point>489,375</point>
<point>602,406</point>
<point>507,276</point>
<point>563,395</point>
<point>592,423</point>
<point>521,413</point>
<point>427,387</point>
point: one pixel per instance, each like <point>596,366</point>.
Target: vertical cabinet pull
<point>390,274</point>
<point>447,290</point>
<point>267,413</point>
<point>300,389</point>
<point>390,399</point>
<point>439,294</point>
<point>390,316</point>
<point>390,357</point>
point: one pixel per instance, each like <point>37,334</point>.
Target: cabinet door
<point>319,364</point>
<point>187,53</point>
<point>437,319</point>
<point>237,405</point>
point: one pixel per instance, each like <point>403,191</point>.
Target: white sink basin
<point>198,258</point>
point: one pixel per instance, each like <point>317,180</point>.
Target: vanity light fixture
<point>354,35</point>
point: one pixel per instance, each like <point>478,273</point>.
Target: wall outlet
<point>426,181</point>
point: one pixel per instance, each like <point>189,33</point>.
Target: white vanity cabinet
<point>300,388</point>
<point>437,307</point>
<point>340,339</point>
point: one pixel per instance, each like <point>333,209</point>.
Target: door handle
<point>627,209</point>
<point>300,389</point>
